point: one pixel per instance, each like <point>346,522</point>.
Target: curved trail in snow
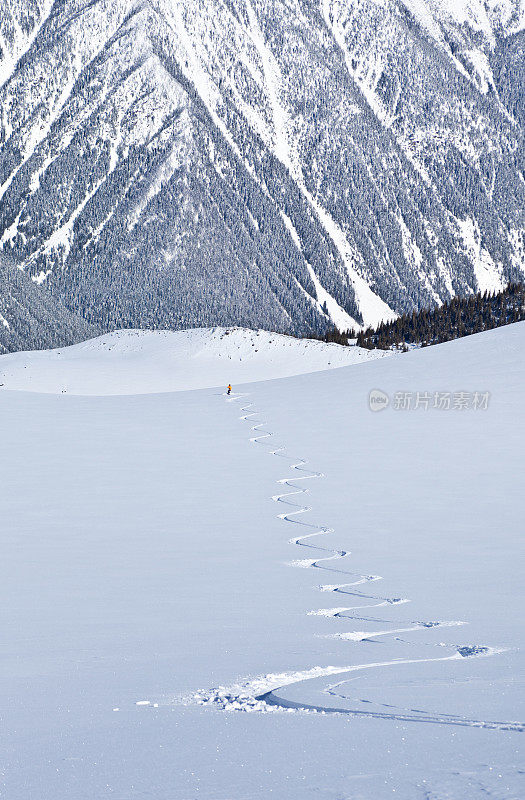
<point>332,554</point>
<point>264,693</point>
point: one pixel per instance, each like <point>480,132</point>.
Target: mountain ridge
<point>267,164</point>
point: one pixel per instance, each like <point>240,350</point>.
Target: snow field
<point>149,548</point>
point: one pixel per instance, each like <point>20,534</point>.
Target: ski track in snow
<point>331,554</point>
<point>261,694</point>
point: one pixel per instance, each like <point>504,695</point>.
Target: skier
<point>229,389</point>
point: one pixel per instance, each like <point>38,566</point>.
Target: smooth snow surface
<point>274,595</point>
<point>140,362</point>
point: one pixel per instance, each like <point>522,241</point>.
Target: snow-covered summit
<point>143,362</point>
<point>276,164</point>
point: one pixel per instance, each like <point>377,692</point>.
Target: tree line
<point>460,316</point>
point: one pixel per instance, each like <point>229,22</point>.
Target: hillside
<point>258,162</point>
<point>275,594</point>
<point>461,316</point>
<point>30,314</point>
<point>141,362</point>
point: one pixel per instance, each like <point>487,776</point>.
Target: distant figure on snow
<point>229,389</point>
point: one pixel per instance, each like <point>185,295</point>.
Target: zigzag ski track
<point>261,694</point>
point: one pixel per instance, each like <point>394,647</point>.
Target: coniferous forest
<point>460,316</point>
<point>174,185</point>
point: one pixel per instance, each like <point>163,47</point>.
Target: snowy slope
<point>139,362</point>
<point>29,313</point>
<point>147,560</point>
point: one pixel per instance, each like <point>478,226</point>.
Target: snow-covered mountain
<point>31,314</point>
<point>267,163</point>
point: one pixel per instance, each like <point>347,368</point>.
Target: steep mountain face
<point>272,163</point>
<point>31,317</point>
